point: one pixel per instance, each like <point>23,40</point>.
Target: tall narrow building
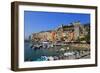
<point>76,30</point>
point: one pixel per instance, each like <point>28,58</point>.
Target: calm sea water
<point>34,55</point>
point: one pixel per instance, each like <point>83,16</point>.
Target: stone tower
<point>76,30</point>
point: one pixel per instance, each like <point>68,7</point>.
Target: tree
<point>87,38</point>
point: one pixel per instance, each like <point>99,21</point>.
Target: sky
<point>36,21</point>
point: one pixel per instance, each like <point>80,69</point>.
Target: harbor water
<point>44,54</point>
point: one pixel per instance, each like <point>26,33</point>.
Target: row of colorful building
<point>65,33</point>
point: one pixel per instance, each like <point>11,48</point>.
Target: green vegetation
<point>85,38</point>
